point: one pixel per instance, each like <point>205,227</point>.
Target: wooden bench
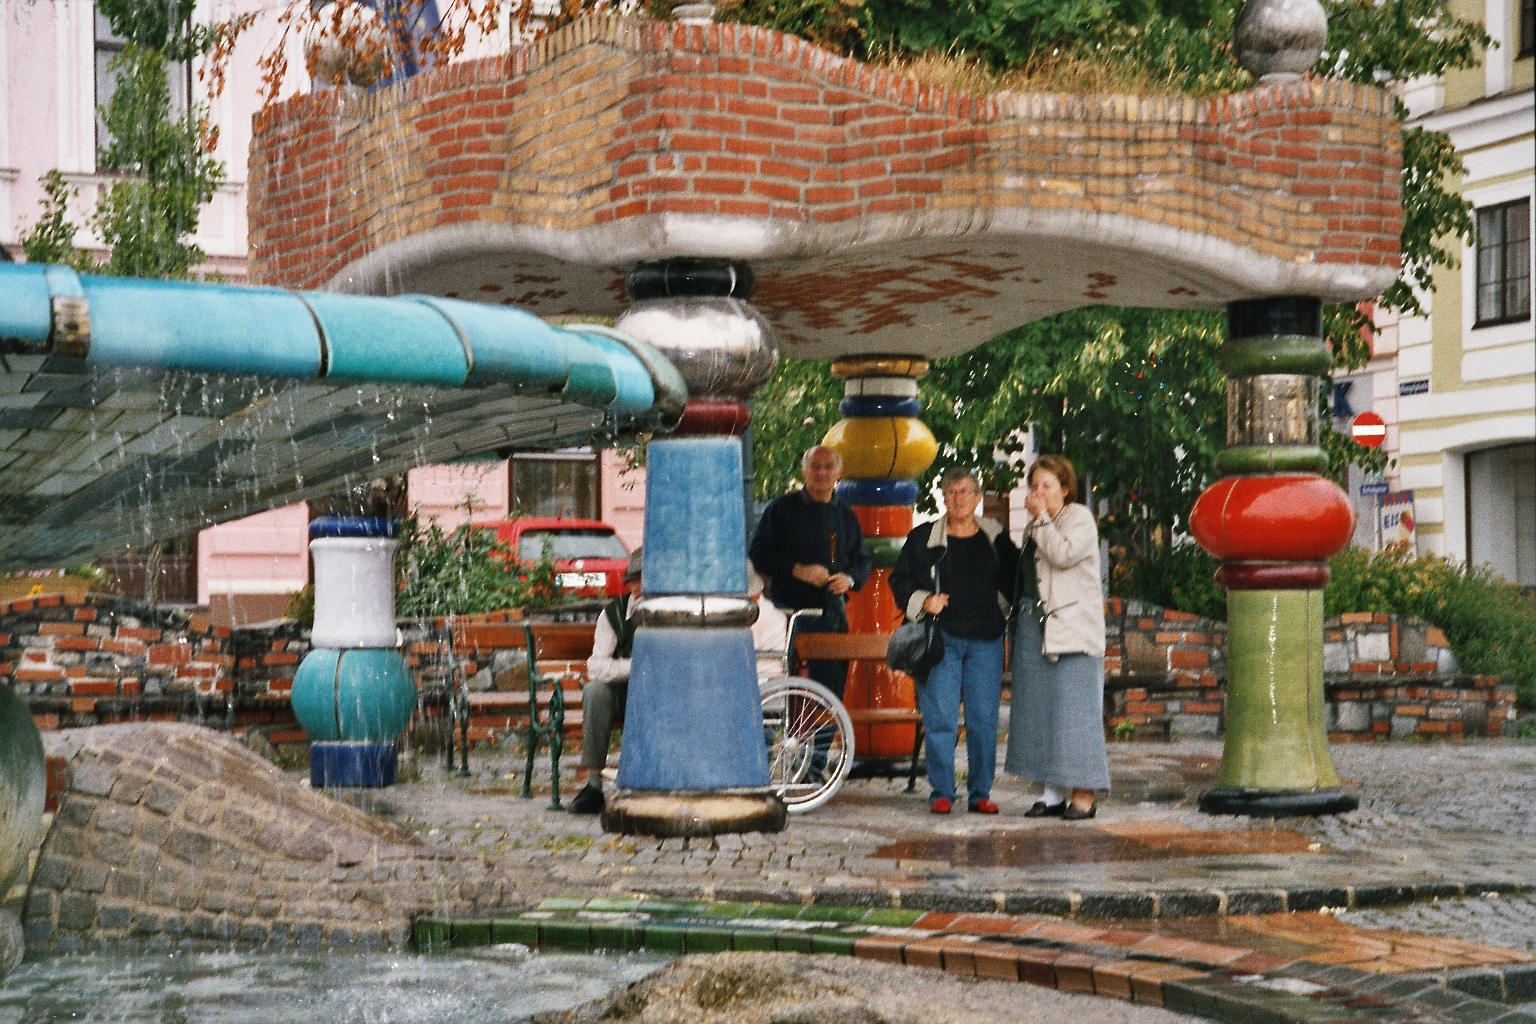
<point>863,647</point>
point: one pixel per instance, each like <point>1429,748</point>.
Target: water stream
<point>483,986</point>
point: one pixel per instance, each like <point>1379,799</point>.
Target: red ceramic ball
<point>1273,518</point>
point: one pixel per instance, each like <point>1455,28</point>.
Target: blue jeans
<point>971,673</point>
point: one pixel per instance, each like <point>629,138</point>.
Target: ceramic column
<point>353,693</point>
<point>1273,520</point>
<point>884,447</point>
<point>693,760</point>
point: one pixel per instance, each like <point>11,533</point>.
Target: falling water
<point>221,987</point>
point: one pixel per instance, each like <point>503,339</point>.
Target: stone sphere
<point>347,46</point>
<point>722,347</point>
<point>1278,40</point>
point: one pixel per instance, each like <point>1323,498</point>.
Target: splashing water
<point>470,987</point>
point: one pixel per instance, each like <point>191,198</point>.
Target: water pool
<point>484,986</point>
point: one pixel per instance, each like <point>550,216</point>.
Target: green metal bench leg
<point>917,748</point>
<point>553,732</point>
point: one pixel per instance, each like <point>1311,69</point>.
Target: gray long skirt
<point>1056,717</point>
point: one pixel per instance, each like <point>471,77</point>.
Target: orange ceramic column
<point>884,446</point>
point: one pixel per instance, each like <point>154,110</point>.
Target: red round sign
<point>1368,429</point>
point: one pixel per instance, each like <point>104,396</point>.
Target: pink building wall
<point>248,568</point>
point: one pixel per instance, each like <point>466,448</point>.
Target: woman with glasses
<point>1056,718</point>
<point>960,569</point>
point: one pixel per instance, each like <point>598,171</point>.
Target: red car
<point>588,553</point>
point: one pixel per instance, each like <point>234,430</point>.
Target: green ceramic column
<point>1273,520</point>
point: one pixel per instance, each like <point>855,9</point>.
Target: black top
<point>981,574</point>
<point>795,529</point>
<point>968,574</point>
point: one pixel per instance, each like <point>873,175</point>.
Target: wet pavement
<point>1441,853</point>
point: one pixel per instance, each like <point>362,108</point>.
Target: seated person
<point>607,688</point>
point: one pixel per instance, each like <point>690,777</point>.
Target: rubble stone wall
<point>97,660</point>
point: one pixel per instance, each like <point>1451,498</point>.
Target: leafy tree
<point>51,238</point>
<point>147,216</point>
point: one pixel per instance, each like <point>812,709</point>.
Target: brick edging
<point>1107,904</point>
<point>1224,982</point>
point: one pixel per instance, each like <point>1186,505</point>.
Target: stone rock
<point>780,988</point>
<point>1335,658</point>
<point>11,942</point>
<point>1374,647</point>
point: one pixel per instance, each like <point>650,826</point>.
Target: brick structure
<point>96,660</point>
<point>167,831</point>
<point>535,178</point>
<point>1385,676</point>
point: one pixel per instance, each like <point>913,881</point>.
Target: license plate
<point>581,579</point>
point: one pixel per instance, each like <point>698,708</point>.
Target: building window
<point>560,485</point>
<point>1501,511</point>
<point>1504,263</point>
<point>1527,28</point>
<point>108,46</point>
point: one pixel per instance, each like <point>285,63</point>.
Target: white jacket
<point>1067,566</point>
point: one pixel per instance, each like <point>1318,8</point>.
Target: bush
<point>465,572</point>
<point>1179,578</point>
<point>1490,622</point>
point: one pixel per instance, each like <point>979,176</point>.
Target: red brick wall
<point>613,119</point>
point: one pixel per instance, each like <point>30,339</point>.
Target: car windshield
<point>568,545</point>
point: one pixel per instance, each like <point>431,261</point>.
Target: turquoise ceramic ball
<point>364,695</point>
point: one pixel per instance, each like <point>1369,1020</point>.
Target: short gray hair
<point>805,460</point>
<point>954,474</point>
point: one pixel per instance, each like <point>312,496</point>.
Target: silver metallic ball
<point>1279,40</point>
<point>722,347</point>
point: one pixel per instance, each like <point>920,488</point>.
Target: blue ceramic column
<point>353,693</point>
<point>693,761</point>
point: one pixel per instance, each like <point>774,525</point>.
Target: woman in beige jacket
<point>1056,717</point>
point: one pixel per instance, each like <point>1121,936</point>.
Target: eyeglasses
<point>961,491</point>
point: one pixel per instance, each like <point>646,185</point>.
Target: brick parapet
<point>612,120</point>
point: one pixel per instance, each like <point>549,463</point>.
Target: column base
<point>354,765</point>
<point>668,814</point>
<point>1277,803</point>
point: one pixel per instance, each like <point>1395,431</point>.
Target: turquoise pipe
<point>270,332</point>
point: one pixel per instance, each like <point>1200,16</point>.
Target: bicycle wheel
<point>810,741</point>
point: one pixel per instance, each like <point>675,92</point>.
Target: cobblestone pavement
<point>1458,813</point>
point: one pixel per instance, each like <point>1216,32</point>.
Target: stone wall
<point>167,832</point>
<point>1384,676</point>
<point>95,660</point>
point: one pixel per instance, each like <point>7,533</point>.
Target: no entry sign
<point>1368,429</point>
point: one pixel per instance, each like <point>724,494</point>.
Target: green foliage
<point>51,238</point>
<point>1180,577</point>
<point>165,26</point>
<point>466,571</point>
<point>147,219</point>
<point>790,414</point>
<point>301,606</point>
<point>838,25</point>
<point>1490,621</point>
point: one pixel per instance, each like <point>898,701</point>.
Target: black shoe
<point>1041,809</point>
<point>1071,812</point>
<point>589,800</point>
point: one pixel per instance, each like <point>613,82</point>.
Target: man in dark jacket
<point>607,688</point>
<point>810,548</point>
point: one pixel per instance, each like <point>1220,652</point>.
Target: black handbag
<point>916,647</point>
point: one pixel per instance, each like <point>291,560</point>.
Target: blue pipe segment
<point>271,332</point>
<point>695,517</point>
